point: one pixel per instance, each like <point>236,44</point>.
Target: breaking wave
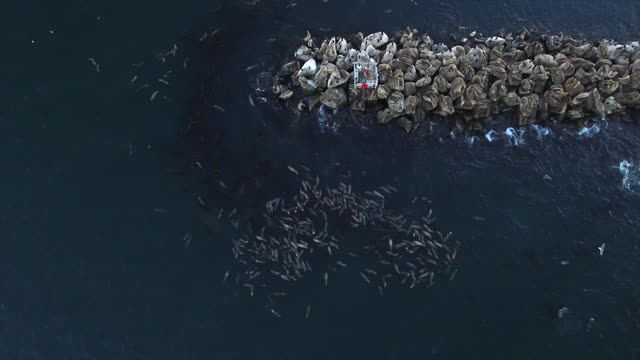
<point>325,124</point>
<point>515,136</point>
<point>471,139</point>
<point>630,175</point>
<point>491,136</point>
<point>589,132</point>
<point>541,131</point>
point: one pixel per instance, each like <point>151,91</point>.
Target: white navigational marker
<point>601,249</point>
<point>365,75</point>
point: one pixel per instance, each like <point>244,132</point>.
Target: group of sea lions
<point>326,227</point>
<point>545,78</point>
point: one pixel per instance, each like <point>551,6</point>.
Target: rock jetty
<point>547,78</point>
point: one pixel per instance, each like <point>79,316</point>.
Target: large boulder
<point>395,101</point>
<point>386,115</point>
<point>334,98</point>
<point>376,40</point>
<point>309,69</point>
<point>308,86</point>
<point>405,124</point>
<point>338,78</point>
<point>396,81</point>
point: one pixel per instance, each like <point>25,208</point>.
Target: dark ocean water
<point>100,190</point>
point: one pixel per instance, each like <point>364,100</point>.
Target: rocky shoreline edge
<point>546,78</point>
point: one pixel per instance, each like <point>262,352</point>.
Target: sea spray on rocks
<point>588,132</point>
<point>515,136</point>
<point>541,131</point>
<point>491,135</point>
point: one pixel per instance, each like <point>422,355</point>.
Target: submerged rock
<point>405,124</point>
<point>358,105</point>
<point>386,115</point>
<point>313,101</point>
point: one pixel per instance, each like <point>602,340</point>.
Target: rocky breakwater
<point>546,78</point>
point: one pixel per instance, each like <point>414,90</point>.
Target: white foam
<point>491,136</point>
<point>589,132</point>
<point>541,131</point>
<point>431,124</point>
<point>630,175</point>
<point>325,124</point>
<point>453,135</point>
<point>605,121</point>
<point>471,139</point>
<point>515,137</point>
